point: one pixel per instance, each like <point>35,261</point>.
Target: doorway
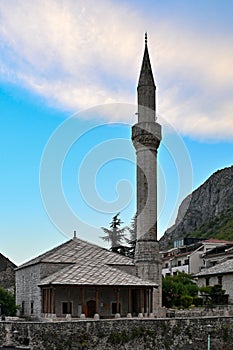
<point>91,308</point>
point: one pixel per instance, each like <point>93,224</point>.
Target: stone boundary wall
<point>139,334</point>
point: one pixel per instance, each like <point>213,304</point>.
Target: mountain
<point>207,212</point>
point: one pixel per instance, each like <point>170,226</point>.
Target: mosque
<point>81,279</point>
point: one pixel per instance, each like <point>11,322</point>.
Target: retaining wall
<point>159,334</point>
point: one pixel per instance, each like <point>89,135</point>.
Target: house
<point>191,258</point>
<point>221,274</point>
<point>77,278</point>
<point>218,254</point>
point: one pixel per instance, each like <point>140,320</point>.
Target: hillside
<point>207,212</point>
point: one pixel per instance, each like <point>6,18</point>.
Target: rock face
<point>210,200</point>
<point>7,272</point>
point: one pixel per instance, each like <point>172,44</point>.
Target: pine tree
<point>131,241</point>
<point>115,235</point>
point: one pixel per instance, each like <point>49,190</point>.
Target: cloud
<point>77,54</point>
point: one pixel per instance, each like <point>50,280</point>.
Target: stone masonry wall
<point>159,334</point>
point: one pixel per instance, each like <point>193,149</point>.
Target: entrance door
<point>91,308</point>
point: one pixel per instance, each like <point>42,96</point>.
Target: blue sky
<point>60,59</point>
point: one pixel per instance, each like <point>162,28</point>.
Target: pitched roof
<point>87,264</point>
<point>78,251</point>
<point>225,267</point>
<point>91,274</point>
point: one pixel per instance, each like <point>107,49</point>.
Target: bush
<point>197,301</point>
<point>7,302</point>
<point>177,288</point>
<point>186,301</point>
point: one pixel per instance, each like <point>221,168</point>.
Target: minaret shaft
<point>146,137</point>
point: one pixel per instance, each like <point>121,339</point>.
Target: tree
<point>131,241</point>
<point>178,290</point>
<point>214,295</point>
<point>7,302</point>
<point>115,235</point>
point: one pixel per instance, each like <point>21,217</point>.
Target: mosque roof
<point>84,263</point>
<point>78,251</point>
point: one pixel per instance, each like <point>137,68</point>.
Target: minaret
<point>146,137</point>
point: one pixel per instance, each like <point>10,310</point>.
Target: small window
<point>23,308</point>
<point>207,281</point>
<point>114,308</point>
<point>220,280</point>
<point>186,262</point>
<point>66,308</point>
<point>179,262</point>
<point>32,307</point>
<point>166,265</point>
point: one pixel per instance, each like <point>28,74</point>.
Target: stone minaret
<point>146,137</point>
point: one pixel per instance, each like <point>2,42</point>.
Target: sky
<point>68,78</point>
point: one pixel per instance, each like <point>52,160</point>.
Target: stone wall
<point>159,334</point>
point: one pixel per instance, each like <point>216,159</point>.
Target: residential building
<point>190,258</point>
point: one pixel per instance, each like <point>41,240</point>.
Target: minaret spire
<point>146,88</point>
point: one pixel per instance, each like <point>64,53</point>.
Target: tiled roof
<point>88,264</point>
<point>225,267</point>
<point>91,274</point>
<point>79,251</point>
<point>214,240</point>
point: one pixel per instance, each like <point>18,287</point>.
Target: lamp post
<point>208,339</point>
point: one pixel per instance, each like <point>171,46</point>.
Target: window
<point>114,308</point>
<point>166,265</point>
<point>207,281</point>
<point>220,280</point>
<point>66,308</point>
<point>179,262</point>
<point>32,307</point>
<point>186,262</point>
<point>23,307</point>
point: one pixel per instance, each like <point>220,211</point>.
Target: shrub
<point>186,301</point>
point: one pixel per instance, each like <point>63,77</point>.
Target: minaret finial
<point>146,38</point>
<point>75,234</point>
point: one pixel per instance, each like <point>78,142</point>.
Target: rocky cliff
<point>207,212</point>
<point>7,273</point>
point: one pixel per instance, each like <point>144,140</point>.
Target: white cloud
<point>78,53</point>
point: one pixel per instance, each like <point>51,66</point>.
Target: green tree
<point>115,235</point>
<point>179,290</point>
<point>7,302</point>
<point>131,241</point>
<point>214,295</point>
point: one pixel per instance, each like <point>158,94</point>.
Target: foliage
<point>117,238</point>
<point>186,301</point>
<point>115,234</point>
<point>179,290</point>
<point>7,301</point>
<point>132,229</point>
<point>214,295</point>
<point>197,301</point>
<point>220,227</point>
